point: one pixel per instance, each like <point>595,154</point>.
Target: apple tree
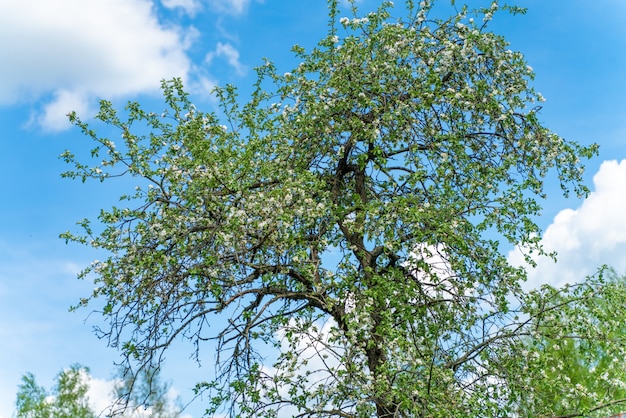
<point>337,236</point>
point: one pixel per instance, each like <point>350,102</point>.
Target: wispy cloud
<point>232,7</point>
<point>36,289</point>
<point>190,7</point>
<point>228,53</point>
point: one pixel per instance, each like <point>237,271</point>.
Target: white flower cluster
<point>354,22</point>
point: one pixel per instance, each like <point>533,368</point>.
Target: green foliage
<point>349,214</point>
<point>574,363</point>
<point>67,399</point>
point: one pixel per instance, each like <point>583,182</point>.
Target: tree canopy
<point>67,399</point>
<point>574,364</point>
<point>338,235</point>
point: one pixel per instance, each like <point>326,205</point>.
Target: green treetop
<point>133,396</point>
<point>67,399</point>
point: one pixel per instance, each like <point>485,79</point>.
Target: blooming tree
<point>304,219</point>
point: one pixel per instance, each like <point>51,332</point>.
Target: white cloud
<point>52,115</point>
<point>586,237</point>
<point>233,7</point>
<point>191,7</point>
<point>76,50</point>
<point>230,54</point>
<point>318,358</point>
<point>435,257</point>
<point>101,398</point>
<point>100,394</point>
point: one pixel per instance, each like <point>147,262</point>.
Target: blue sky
<point>62,55</point>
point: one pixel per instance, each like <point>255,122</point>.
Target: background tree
<point>350,214</point>
<point>579,343</point>
<point>67,399</point>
